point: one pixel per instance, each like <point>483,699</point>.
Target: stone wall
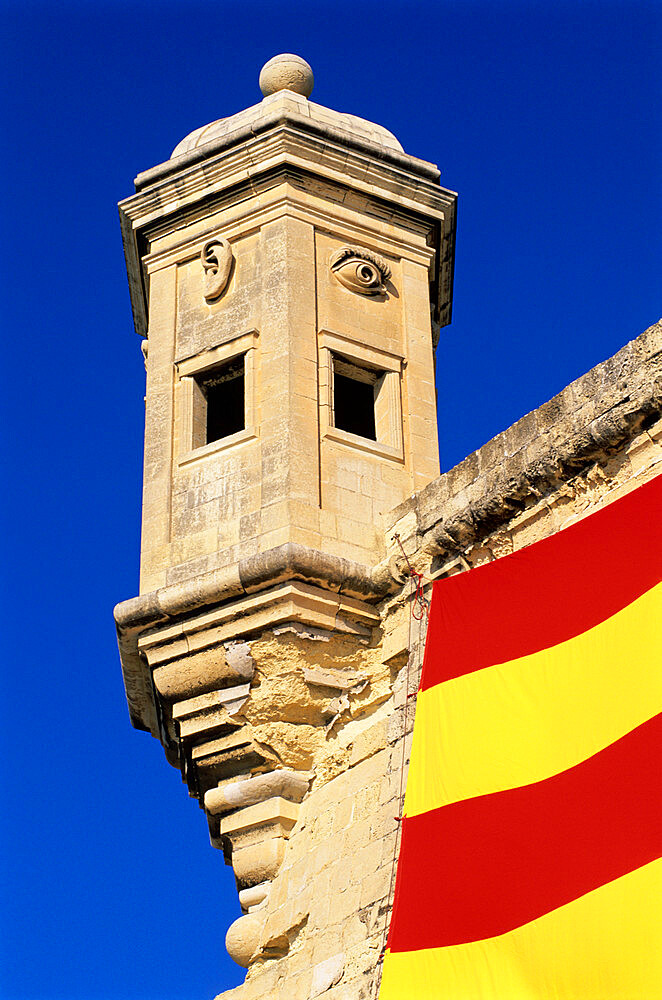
<point>321,930</point>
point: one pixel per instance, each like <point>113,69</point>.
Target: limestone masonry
<point>290,268</point>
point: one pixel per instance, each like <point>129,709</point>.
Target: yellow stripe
<point>525,720</point>
<point>605,945</point>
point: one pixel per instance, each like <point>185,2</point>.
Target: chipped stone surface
<point>330,678</point>
<point>326,974</point>
<point>239,659</point>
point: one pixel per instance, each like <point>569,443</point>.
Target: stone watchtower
<point>290,267</point>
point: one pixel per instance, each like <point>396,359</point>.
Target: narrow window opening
<point>354,390</point>
<point>223,392</point>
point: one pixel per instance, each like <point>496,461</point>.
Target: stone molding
<point>208,712</point>
<point>285,562</point>
<point>287,602</point>
<point>276,814</point>
<point>242,162</point>
<point>290,561</point>
<point>283,198</point>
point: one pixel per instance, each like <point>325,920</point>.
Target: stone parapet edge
<point>290,561</point>
<point>586,422</point>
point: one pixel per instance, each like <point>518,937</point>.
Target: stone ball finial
<point>287,72</point>
<point>242,939</point>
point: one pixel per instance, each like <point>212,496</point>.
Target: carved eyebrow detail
<point>347,252</point>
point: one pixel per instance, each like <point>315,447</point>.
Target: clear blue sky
<point>545,117</point>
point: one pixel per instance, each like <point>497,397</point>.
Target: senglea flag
<point>529,866</point>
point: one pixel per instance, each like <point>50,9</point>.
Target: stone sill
<point>364,444</point>
<point>248,434</point>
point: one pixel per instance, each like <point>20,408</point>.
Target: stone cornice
<point>139,615</point>
<point>588,421</point>
<point>287,143</point>
<point>243,168</point>
<point>291,204</point>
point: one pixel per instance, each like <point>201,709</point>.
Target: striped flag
<point>529,864</point>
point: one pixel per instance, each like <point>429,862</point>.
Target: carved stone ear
<point>216,259</point>
<point>360,270</point>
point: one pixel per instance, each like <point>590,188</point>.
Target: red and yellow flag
<point>530,863</point>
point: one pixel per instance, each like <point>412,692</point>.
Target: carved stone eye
<point>360,270</point>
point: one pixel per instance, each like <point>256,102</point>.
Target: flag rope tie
<point>420,600</point>
<point>419,609</point>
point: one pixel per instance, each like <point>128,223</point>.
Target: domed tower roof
<point>287,140</point>
<point>286,82</point>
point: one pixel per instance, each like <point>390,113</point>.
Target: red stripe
<point>549,592</point>
<point>484,866</point>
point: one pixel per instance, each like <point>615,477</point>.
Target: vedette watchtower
<point>290,267</point>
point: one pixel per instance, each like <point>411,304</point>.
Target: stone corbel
<point>180,674</point>
<point>207,713</point>
<point>255,815</point>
